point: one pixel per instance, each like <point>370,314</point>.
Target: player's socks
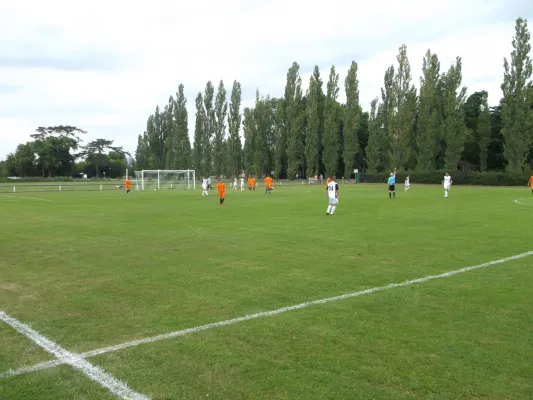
<point>390,195</point>
<point>333,210</point>
<point>329,209</point>
<point>394,194</point>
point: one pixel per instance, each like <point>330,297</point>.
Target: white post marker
<point>93,372</point>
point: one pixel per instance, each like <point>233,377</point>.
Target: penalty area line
<point>183,332</point>
<point>93,372</point>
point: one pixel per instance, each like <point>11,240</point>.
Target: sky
<point>105,65</point>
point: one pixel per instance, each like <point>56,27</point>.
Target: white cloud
<point>105,65</point>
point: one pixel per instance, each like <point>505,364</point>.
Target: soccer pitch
<point>167,295</point>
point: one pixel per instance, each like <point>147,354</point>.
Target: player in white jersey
<point>447,184</point>
<point>242,184</point>
<point>209,184</point>
<point>235,184</point>
<point>407,184</point>
<point>333,196</point>
<point>204,187</point>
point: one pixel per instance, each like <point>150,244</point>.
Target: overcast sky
<point>105,65</point>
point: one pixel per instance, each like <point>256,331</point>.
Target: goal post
<point>162,179</point>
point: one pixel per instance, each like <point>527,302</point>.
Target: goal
<point>160,179</point>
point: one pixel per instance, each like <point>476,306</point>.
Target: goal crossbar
<point>159,179</point>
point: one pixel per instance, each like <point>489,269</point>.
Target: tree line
<point>304,134</point>
<point>57,151</point>
<point>433,127</point>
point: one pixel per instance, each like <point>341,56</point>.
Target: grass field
<point>88,270</point>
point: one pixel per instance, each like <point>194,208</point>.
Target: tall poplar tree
<point>142,153</point>
<point>352,117</point>
<point>210,126</point>
<point>454,128</point>
<point>280,151</point>
<point>170,133</point>
<point>517,114</point>
<point>264,122</point>
<point>314,124</point>
<point>330,142</point>
<point>388,113</point>
<point>400,124</point>
<point>221,109</point>
<point>429,114</point>
<point>199,138</point>
<point>156,139</point>
<point>483,131</point>
<point>181,144</point>
<point>295,121</point>
<point>234,124</point>
<point>375,149</point>
<point>251,155</point>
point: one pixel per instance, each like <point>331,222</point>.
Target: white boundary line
<point>519,201</point>
<point>15,196</point>
<point>94,372</point>
<point>183,332</point>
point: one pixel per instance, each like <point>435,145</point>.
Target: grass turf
<point>93,269</point>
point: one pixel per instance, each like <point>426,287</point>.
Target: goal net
<point>160,179</point>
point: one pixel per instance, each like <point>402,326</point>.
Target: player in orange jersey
<point>530,183</point>
<point>221,188</point>
<point>253,183</point>
<point>127,183</point>
<point>268,184</point>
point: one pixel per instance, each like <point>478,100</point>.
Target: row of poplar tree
<point>306,134</point>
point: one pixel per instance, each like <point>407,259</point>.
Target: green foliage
<point>376,149</point>
<point>221,109</point>
<point>250,140</point>
<point>142,153</point>
<point>352,116</point>
<point>94,153</point>
<point>313,132</point>
<point>429,113</point>
<point>3,169</point>
<point>517,113</point>
<point>280,152</point>
<point>295,122</point>
<point>209,121</point>
<point>54,146</point>
<point>234,148</point>
<point>181,147</point>
<point>401,112</point>
<point>454,128</point>
<point>265,137</point>
<point>483,132</point>
<point>330,142</point>
<point>200,151</point>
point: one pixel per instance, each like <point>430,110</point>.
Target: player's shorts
<point>392,188</point>
<point>333,200</point>
<point>447,187</point>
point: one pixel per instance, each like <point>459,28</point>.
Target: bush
<point>487,178</point>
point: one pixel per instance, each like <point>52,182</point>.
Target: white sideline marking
<point>92,353</point>
<point>520,201</point>
<point>94,372</point>
<point>14,196</point>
